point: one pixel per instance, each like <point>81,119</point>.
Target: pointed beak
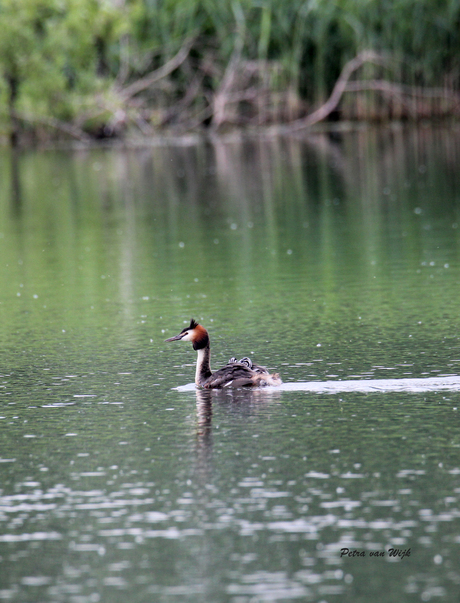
<point>176,337</point>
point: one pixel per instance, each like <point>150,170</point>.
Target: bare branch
<point>159,73</point>
<point>221,96</point>
<point>193,91</point>
<point>400,89</point>
<point>339,88</point>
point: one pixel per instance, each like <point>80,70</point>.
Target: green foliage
<point>69,60</point>
<point>53,52</point>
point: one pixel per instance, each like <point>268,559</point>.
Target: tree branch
<point>159,73</point>
<point>400,89</point>
<point>337,92</point>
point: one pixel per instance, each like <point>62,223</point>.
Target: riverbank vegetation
<point>110,68</point>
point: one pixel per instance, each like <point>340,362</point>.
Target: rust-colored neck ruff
<point>200,338</point>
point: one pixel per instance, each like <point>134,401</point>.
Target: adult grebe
<point>234,374</point>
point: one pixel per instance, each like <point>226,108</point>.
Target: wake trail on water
<point>412,385</point>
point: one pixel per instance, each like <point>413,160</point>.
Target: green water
<point>336,257</point>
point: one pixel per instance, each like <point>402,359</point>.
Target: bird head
<point>195,333</point>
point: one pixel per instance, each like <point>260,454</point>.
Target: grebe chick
<point>234,374</point>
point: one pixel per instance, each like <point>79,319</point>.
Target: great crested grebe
<point>234,374</point>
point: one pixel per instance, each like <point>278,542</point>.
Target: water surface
<point>330,260</point>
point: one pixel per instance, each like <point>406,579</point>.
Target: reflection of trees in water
<point>246,212</point>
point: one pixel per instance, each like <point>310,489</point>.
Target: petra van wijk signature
<point>400,553</point>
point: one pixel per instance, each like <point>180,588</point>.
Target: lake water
<point>329,259</point>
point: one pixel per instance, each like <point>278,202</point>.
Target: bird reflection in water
<point>242,401</point>
<point>203,434</point>
<point>204,415</point>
